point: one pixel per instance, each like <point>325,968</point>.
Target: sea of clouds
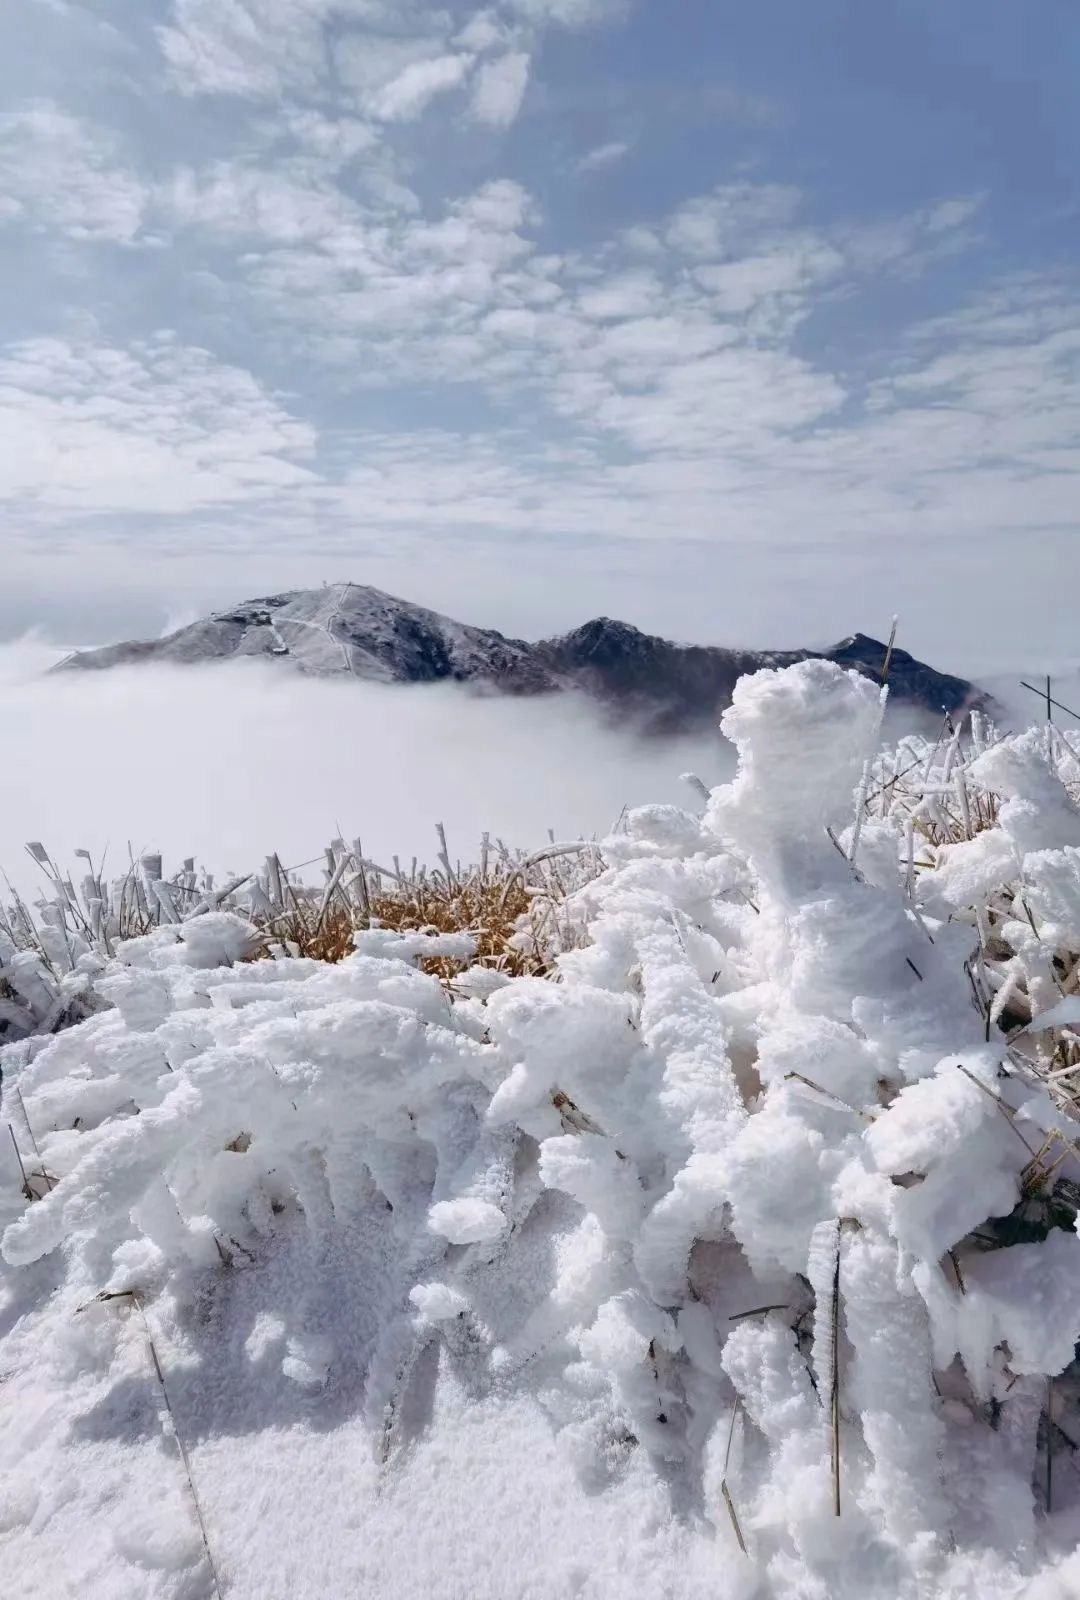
<point>230,762</point>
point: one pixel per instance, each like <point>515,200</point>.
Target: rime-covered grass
<point>512,906</point>
<point>711,1232</point>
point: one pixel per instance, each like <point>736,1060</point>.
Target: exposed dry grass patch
<point>492,910</point>
<point>510,904</point>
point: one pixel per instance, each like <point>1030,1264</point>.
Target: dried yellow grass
<point>489,909</point>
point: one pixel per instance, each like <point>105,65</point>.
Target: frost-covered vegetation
<point>51,950</point>
<point>725,1174</point>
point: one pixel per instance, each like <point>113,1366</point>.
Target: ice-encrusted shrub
<point>804,1204</point>
<point>513,905</point>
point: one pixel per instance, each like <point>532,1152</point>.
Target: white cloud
<point>640,241</point>
<point>484,31</point>
<point>569,13</point>
<point>165,729</point>
<point>683,360</point>
<point>365,63</point>
<point>405,97</point>
<point>335,141</point>
<point>729,218</point>
<point>243,47</point>
<point>684,357</point>
<point>248,200</point>
<point>261,49</point>
<point>738,399</point>
<point>952,213</point>
<point>908,243</point>
<point>57,170</point>
<point>628,294</point>
<point>789,272</point>
<point>500,88</point>
<point>161,427</point>
<point>603,155</point>
<point>411,290</point>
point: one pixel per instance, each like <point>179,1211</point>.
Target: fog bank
<point>230,762</point>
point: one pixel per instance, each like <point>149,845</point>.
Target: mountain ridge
<point>359,631</point>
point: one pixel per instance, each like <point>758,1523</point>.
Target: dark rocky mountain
<point>678,686</point>
<point>350,630</point>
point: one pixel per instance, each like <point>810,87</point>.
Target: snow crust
<point>587,1287</point>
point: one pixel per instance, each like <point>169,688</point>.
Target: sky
<point>751,324</point>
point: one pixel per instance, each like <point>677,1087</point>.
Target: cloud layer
<point>365,277</point>
<point>101,761</point>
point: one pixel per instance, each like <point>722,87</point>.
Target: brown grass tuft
<point>489,908</point>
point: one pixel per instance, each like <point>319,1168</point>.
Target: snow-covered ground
<point>739,1260</point>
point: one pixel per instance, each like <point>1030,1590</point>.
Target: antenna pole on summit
<point>887,663</point>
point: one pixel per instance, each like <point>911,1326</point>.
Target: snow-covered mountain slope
<point>345,629</point>
<point>738,1262</point>
<point>359,631</point>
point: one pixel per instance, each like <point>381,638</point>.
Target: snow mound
<point>745,1247</point>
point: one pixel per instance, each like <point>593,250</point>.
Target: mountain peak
<point>355,630</point>
<point>600,633</point>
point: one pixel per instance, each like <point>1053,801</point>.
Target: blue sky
<point>752,323</point>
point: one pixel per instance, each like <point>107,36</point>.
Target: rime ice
<point>512,1293</point>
